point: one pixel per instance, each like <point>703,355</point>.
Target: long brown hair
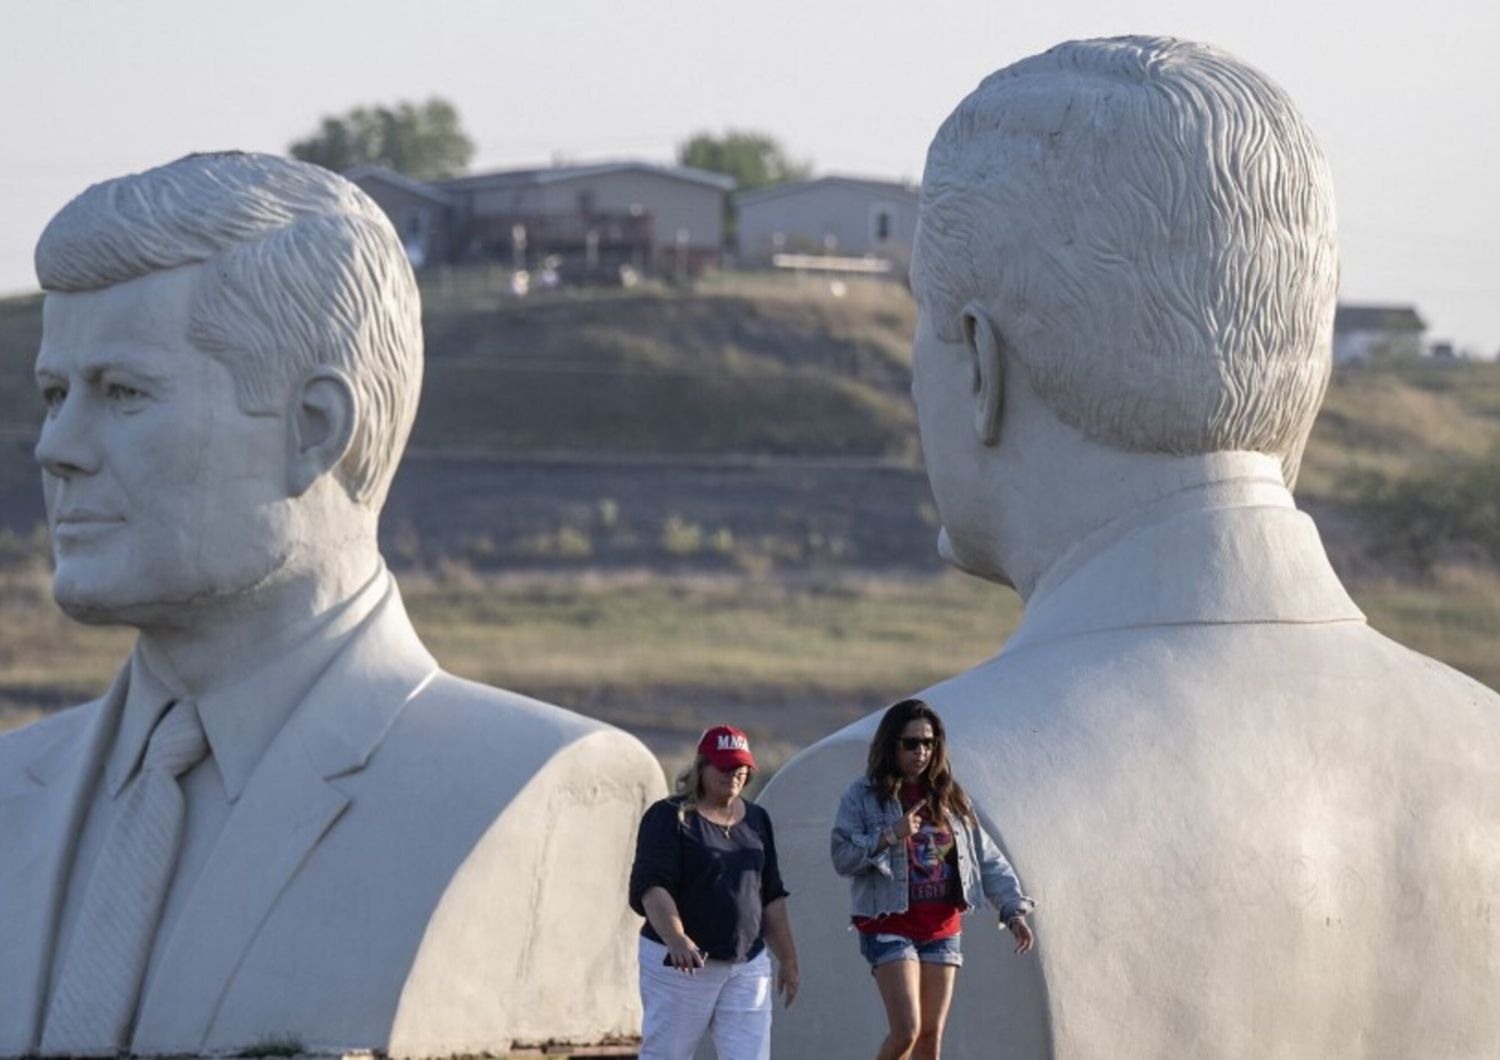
<point>945,797</point>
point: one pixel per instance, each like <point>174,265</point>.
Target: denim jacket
<point>877,881</point>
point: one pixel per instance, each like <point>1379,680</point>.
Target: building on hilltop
<point>1376,332</point>
<point>590,219</point>
<point>845,216</point>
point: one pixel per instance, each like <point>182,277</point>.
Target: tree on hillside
<point>752,159</point>
<point>424,141</point>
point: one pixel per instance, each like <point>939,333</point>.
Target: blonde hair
<point>690,786</point>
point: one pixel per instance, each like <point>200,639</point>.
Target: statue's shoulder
<point>18,746</point>
<point>823,773</point>
<point>34,751</point>
<point>1000,689</point>
<point>464,725</point>
<point>1427,694</point>
<point>497,712</point>
<point>1425,667</point>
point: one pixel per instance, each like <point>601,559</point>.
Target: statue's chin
<point>136,602</point>
<point>96,604</point>
<point>87,608</point>
<point>979,567</point>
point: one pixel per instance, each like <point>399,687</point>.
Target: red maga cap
<point>726,748</point>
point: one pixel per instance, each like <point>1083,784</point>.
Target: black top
<point>721,884</point>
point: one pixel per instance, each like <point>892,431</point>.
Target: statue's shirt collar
<point>242,716</point>
<point>1227,552</point>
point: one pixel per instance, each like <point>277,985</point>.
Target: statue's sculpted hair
<point>303,270</point>
<point>1150,225</point>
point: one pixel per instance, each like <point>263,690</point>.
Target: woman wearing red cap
<point>907,837</point>
<point>707,881</point>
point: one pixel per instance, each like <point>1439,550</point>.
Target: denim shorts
<point>883,949</point>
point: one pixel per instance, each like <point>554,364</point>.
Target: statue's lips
<point>83,523</point>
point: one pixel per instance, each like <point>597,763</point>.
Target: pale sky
<point>1406,98</point>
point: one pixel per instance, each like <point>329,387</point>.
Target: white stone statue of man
<point>1253,825</point>
<point>282,822</point>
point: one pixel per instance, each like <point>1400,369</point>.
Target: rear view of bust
<point>1253,825</point>
<point>282,821</point>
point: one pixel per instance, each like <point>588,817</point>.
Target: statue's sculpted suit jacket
<point>402,869</point>
<point>1254,826</point>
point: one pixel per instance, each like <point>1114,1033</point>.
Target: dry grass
<point>843,636</point>
<point>662,653</point>
<point>1454,618</point>
<point>43,650</point>
<point>1397,419</point>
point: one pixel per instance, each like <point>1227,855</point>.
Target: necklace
<point>723,826</point>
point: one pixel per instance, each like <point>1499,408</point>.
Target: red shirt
<point>934,895</point>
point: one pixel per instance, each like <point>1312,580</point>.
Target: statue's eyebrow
<point>93,370</point>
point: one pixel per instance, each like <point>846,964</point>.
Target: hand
<point>788,978</point>
<point>908,824</point>
<point>684,955</point>
<point>1022,933</point>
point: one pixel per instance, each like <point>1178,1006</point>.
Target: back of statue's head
<point>1149,225</point>
<point>303,270</point>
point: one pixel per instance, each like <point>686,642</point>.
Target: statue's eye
<point>123,392</point>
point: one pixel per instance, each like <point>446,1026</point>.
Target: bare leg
<point>936,992</point>
<point>899,989</point>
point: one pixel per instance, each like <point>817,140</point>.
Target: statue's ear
<point>987,354</point>
<point>321,427</point>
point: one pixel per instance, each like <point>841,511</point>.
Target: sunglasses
<point>911,743</point>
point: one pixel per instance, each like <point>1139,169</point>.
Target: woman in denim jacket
<point>916,857</point>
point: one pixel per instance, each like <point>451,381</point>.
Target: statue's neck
<point>1239,491</point>
<point>1114,492</point>
<point>209,645</point>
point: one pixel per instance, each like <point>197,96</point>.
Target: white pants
<point>731,1000</point>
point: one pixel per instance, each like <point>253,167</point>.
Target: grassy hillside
<point>20,409</point>
<point>732,367</point>
<point>766,365</point>
<point>1401,419</point>
<point>723,369</point>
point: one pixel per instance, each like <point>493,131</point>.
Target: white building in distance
<point>844,216</point>
<point>1376,332</point>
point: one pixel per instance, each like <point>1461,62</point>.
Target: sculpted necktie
<point>93,1006</point>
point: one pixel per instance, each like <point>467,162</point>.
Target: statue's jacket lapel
<point>45,789</point>
<point>289,804</point>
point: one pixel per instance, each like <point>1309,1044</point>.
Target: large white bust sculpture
<point>1254,826</point>
<point>283,822</point>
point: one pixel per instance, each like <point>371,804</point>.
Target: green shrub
<point>680,537</point>
<point>574,542</point>
<point>722,541</point>
<point>1451,512</point>
<point>277,1045</point>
